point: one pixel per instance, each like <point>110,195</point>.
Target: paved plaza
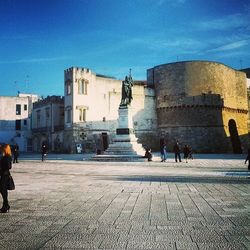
<point>73,203</point>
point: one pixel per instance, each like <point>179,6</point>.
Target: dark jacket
<point>5,165</point>
<point>44,149</point>
<point>176,148</point>
<point>186,151</point>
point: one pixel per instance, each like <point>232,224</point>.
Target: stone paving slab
<point>75,204</point>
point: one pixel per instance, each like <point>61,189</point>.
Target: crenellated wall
<point>195,102</point>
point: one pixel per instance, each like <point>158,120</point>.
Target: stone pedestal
<point>125,146</point>
<point>125,120</point>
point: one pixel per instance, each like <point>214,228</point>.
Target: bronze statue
<point>127,91</point>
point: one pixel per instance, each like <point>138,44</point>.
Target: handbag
<point>10,183</point>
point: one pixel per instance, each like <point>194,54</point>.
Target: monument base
<point>125,146</point>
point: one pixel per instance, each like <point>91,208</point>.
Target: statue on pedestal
<point>127,91</point>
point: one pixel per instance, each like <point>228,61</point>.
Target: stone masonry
<point>203,104</point>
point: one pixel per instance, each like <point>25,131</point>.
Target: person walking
<point>177,151</point>
<point>190,156</point>
<point>44,151</point>
<point>5,164</point>
<point>15,153</point>
<point>248,159</point>
<point>163,149</point>
<point>186,152</point>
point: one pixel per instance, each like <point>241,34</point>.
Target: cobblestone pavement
<point>203,204</point>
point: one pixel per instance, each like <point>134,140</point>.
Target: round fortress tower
<point>203,104</point>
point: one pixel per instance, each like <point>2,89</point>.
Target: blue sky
<point>41,38</point>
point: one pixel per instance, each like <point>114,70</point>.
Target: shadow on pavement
<point>156,155</point>
<point>181,179</point>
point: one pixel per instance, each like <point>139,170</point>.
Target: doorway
<point>234,136</point>
<point>105,141</point>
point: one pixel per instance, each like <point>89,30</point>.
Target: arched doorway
<point>234,136</point>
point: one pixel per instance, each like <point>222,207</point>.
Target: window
<point>68,87</point>
<point>82,115</point>
<point>68,116</point>
<point>47,112</point>
<point>61,117</point>
<point>61,110</point>
<point>18,124</point>
<point>18,109</point>
<point>38,118</point>
<point>82,87</point>
<point>25,107</point>
<point>82,110</point>
<point>47,116</point>
<point>25,122</point>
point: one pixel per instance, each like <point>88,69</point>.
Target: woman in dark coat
<point>5,166</point>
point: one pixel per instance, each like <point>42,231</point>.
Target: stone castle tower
<point>203,104</point>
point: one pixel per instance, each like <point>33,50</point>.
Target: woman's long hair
<point>7,150</point>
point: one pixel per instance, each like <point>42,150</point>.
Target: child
<point>148,154</point>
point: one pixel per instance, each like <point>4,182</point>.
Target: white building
<point>15,116</point>
<point>91,110</point>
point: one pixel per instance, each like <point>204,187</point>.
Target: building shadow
<point>181,179</point>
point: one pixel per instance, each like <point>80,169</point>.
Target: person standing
<point>177,151</point>
<point>186,152</point>
<point>6,164</point>
<point>248,159</point>
<point>163,149</point>
<point>15,153</point>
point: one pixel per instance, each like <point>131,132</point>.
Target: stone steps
<point>117,158</point>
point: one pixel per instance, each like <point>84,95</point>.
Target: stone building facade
<point>203,104</point>
<point>200,103</point>
<point>91,110</point>
<point>15,120</point>
<point>48,123</point>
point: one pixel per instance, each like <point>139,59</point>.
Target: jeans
<point>177,155</point>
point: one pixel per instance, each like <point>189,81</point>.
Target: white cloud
<point>231,46</point>
<point>236,58</point>
<point>225,23</point>
<point>159,43</point>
